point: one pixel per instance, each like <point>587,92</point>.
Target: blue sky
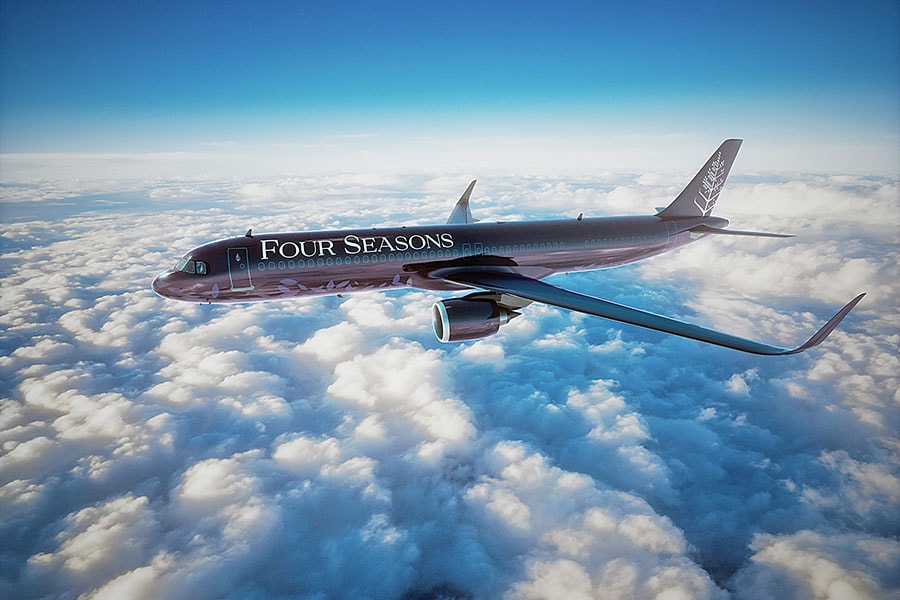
<point>376,77</point>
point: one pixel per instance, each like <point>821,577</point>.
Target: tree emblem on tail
<point>711,186</point>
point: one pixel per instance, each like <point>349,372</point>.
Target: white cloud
<point>739,383</point>
<point>153,448</point>
<point>98,543</point>
<point>826,567</point>
<point>486,351</point>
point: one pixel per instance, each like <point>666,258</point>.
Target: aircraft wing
<point>538,291</point>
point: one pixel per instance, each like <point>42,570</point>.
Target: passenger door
<point>239,269</point>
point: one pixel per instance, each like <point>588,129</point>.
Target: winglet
<point>461,212</point>
<point>826,330</point>
<point>700,196</point>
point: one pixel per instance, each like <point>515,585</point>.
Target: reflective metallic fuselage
<point>291,265</point>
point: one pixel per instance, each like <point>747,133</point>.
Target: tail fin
<point>699,197</point>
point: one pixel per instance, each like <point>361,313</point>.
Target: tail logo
<point>711,186</point>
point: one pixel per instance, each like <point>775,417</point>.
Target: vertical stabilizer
<point>700,196</point>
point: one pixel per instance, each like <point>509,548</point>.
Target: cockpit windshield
<point>192,267</point>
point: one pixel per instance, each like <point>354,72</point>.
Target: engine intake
<point>468,318</point>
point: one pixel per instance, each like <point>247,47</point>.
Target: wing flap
<point>538,291</point>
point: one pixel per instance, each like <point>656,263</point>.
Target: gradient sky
<point>479,79</point>
<point>333,447</point>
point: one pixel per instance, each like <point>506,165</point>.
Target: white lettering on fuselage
<point>355,244</point>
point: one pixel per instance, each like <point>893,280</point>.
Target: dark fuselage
<point>290,265</point>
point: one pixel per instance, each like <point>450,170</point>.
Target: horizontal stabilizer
<point>538,291</point>
<point>717,231</point>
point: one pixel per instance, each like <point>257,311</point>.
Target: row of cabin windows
<point>355,260</point>
<point>633,239</point>
<point>198,267</point>
<point>401,256</point>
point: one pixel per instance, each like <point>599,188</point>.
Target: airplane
<point>502,264</point>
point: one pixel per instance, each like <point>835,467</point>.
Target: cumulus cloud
<point>818,566</point>
<point>333,448</point>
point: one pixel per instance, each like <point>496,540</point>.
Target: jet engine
<point>470,318</point>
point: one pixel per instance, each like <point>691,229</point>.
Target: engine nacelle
<point>468,318</point>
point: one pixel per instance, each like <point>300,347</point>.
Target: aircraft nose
<point>160,284</point>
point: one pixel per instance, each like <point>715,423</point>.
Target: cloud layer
<point>333,448</point>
